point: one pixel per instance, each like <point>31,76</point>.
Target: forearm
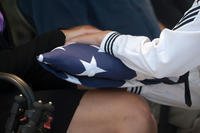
<point>20,59</point>
<point>173,54</point>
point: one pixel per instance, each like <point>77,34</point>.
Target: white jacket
<point>173,54</point>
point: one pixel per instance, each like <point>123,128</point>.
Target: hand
<point>161,26</point>
<point>81,87</point>
<point>79,30</point>
<point>92,38</point>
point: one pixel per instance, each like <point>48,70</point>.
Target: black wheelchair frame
<point>21,32</point>
<point>27,115</point>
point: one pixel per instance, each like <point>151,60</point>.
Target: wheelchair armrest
<point>21,85</point>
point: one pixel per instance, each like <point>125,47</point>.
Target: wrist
<point>108,41</point>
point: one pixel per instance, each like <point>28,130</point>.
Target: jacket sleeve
<point>171,55</point>
<point>20,59</point>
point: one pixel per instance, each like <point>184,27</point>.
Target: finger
<point>84,87</point>
<point>69,43</point>
<point>87,30</point>
<point>87,39</point>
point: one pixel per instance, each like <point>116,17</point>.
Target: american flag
<point>87,65</point>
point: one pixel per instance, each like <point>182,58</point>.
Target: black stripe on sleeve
<point>140,89</point>
<point>194,9</point>
<point>187,17</point>
<point>111,44</point>
<point>107,41</point>
<point>184,23</point>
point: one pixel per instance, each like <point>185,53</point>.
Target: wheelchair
<point>26,114</point>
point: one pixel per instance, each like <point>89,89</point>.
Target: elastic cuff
<point>49,41</point>
<point>59,38</point>
<point>108,41</point>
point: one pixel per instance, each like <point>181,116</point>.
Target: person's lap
<point>65,102</point>
<point>99,110</point>
<point>103,111</point>
<point>132,17</point>
<point>46,87</point>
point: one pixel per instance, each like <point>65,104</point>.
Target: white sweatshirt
<point>171,55</point>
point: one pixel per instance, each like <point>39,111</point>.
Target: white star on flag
<point>99,50</point>
<point>72,79</point>
<point>61,48</point>
<point>90,68</point>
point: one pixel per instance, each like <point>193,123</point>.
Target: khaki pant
<point>187,121</point>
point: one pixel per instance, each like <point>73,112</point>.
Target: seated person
<point>137,19</point>
<point>163,57</point>
<point>86,105</point>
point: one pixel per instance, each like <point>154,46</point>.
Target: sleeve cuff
<point>108,41</point>
<point>49,41</point>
